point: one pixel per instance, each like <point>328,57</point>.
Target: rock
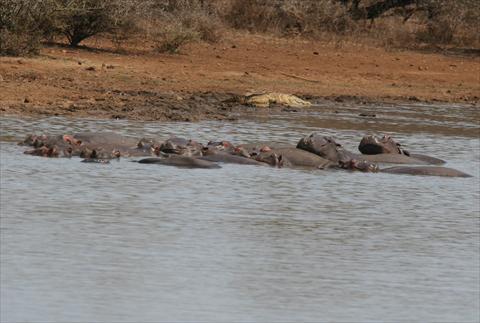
<point>90,68</point>
<point>316,53</point>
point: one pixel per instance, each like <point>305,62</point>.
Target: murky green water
<point>134,242</point>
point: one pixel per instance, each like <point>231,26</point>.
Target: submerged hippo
<point>292,157</point>
<point>88,145</point>
<point>229,157</point>
<point>112,145</point>
<point>313,151</point>
<point>327,147</point>
<point>373,145</point>
<point>426,171</point>
<point>179,161</point>
<point>49,151</point>
<point>96,161</point>
<point>104,139</point>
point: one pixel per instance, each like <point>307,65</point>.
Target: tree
<point>81,19</point>
<point>375,9</point>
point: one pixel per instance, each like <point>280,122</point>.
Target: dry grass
<point>170,24</point>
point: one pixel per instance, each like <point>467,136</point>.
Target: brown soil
<point>199,83</point>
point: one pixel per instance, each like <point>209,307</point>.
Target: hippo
<point>181,146</point>
<point>179,161</point>
<point>373,145</point>
<point>114,145</point>
<point>44,151</point>
<point>360,165</point>
<point>222,145</point>
<point>292,157</point>
<point>368,167</point>
<point>425,171</point>
<point>46,146</point>
<point>325,147</point>
<point>35,141</point>
<point>90,145</point>
<point>95,161</point>
<point>94,153</point>
<point>103,139</point>
<point>214,155</point>
<point>328,148</point>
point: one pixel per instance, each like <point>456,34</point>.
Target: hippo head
<point>34,141</point>
<point>373,145</point>
<point>145,143</point>
<point>180,146</point>
<point>270,158</point>
<point>44,151</point>
<point>71,140</point>
<point>88,153</point>
<point>221,145</point>
<point>360,165</point>
<point>323,146</point>
<point>241,151</point>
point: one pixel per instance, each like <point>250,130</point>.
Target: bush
<point>179,22</point>
<point>21,26</point>
<point>209,28</point>
<point>173,23</point>
<point>172,36</point>
<point>450,22</point>
<point>288,17</point>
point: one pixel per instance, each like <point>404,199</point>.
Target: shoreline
<point>192,107</point>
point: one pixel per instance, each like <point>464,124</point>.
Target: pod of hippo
<point>313,151</point>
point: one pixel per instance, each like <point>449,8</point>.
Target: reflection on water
<point>133,242</point>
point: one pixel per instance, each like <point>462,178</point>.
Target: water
<point>132,242</point>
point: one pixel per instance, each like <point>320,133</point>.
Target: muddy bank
<point>184,107</point>
<point>200,82</point>
<point>135,105</point>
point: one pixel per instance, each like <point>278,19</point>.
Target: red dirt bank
<point>98,83</point>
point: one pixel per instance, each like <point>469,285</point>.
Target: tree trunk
<point>375,10</point>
